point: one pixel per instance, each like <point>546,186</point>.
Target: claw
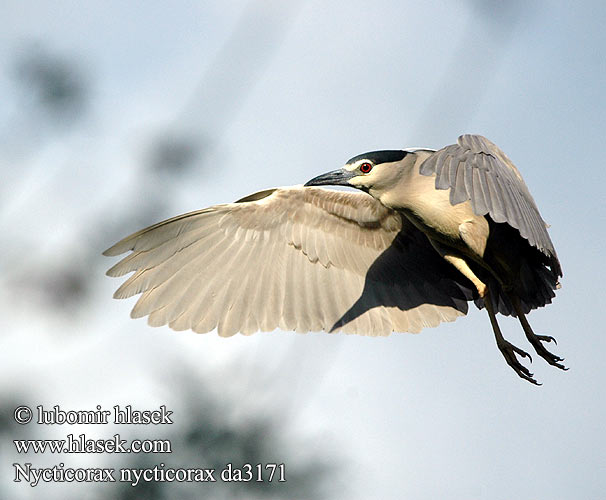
<point>547,338</point>
<point>509,351</point>
<point>534,339</point>
<point>521,352</point>
<point>548,356</point>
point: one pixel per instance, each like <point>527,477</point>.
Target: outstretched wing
<point>291,258</point>
<point>476,169</point>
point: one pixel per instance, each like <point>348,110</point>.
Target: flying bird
<point>426,233</point>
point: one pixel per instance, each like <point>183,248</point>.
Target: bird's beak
<point>338,177</point>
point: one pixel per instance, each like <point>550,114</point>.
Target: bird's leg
<point>534,339</point>
<point>460,264</point>
<point>508,350</point>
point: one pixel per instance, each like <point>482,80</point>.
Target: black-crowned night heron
<point>431,231</point>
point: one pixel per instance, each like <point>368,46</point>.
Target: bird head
<point>372,172</point>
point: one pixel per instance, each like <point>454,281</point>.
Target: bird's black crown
<point>378,157</point>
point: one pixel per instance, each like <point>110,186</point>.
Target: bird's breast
<point>430,210</point>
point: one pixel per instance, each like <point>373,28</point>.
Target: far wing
<point>291,258</point>
<point>476,169</point>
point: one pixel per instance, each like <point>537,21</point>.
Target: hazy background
<point>114,115</point>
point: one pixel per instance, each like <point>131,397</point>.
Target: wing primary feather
<point>251,322</point>
<point>479,205</point>
<point>209,306</point>
<point>187,265</point>
<point>468,178</point>
<point>443,181</point>
<point>525,223</point>
<point>497,212</point>
<point>161,232</point>
<point>208,312</point>
<point>198,297</point>
<point>362,324</point>
<point>157,317</point>
<point>316,314</point>
<point>414,320</point>
<point>430,165</point>
<point>230,309</point>
<point>380,319</point>
<point>435,165</point>
<point>483,176</point>
<point>159,273</point>
<point>158,292</point>
<point>289,320</point>
<point>273,287</point>
<point>452,167</point>
<point>179,304</point>
<point>301,303</point>
<point>508,202</point>
<point>458,193</point>
<point>160,253</point>
<point>514,213</point>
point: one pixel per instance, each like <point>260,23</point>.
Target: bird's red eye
<point>365,168</point>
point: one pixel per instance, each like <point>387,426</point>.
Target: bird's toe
<point>542,351</point>
<point>509,352</point>
<point>547,338</point>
